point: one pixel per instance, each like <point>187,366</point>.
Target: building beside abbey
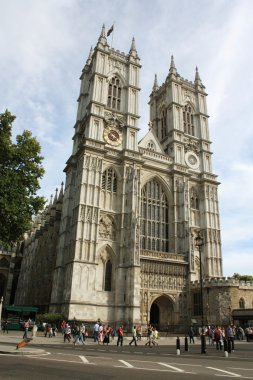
<point>118,243</point>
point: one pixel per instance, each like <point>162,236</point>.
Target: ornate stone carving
<point>107,228</point>
<point>111,119</point>
<point>191,146</point>
<point>157,275</point>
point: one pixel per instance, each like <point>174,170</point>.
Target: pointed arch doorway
<point>161,312</point>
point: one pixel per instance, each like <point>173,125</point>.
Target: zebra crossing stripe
<point>226,372</point>
<point>171,367</point>
<point>126,364</point>
<point>83,358</point>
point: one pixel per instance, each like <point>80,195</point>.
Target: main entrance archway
<point>161,313</point>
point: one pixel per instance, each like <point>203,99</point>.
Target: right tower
<point>178,114</point>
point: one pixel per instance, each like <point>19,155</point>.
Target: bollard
<point>225,348</point>
<point>178,345</point>
<point>186,347</point>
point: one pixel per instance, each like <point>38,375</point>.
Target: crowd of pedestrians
<point>104,334</point>
<point>216,335</point>
<point>101,333</point>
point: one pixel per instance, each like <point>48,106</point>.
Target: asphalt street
<point>64,360</point>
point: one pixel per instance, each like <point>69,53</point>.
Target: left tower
<point>95,262</point>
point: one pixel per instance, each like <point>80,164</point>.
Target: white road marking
<point>55,360</point>
<point>126,364</point>
<point>171,367</point>
<point>155,370</point>
<point>225,372</point>
<point>149,361</point>
<point>242,369</point>
<point>83,358</point>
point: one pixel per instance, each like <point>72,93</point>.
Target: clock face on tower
<point>112,136</point>
<point>192,160</point>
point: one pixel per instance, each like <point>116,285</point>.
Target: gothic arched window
<point>241,303</point>
<point>109,181</point>
<point>154,217</point>
<point>164,123</point>
<point>114,94</point>
<point>108,276</point>
<point>188,120</point>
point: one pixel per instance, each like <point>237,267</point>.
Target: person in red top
<point>120,336</point>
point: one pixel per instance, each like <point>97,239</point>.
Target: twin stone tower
<point>125,250</point>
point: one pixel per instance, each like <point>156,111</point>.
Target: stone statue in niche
<point>107,228</point>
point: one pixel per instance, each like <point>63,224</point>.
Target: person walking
<point>120,336</point>
<point>26,327</point>
<point>96,331</point>
<point>107,334</point>
<point>218,338</point>
<point>155,337</point>
<point>78,336</point>
<point>5,326</point>
<point>191,335</point>
<point>230,336</point>
<point>149,336</point>
<point>134,339</point>
<point>67,334</point>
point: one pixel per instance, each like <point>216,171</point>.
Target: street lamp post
<point>1,306</point>
<point>199,242</point>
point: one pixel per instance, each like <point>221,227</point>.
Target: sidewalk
<point>16,336</point>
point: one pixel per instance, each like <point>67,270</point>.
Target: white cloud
<point>45,44</point>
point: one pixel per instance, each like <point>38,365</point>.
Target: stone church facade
<point>125,247</point>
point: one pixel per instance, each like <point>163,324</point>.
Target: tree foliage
<point>20,171</point>
<point>243,277</point>
<point>49,318</point>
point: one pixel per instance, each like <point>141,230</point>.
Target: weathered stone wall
<point>221,297</point>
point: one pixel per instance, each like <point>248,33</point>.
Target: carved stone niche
<point>107,229</point>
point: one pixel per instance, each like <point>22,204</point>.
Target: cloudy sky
<point>45,43</point>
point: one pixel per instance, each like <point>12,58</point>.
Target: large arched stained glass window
<point>154,217</point>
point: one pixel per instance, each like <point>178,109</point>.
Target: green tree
<point>20,171</point>
<point>243,277</point>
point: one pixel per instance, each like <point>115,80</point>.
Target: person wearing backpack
<point>217,338</point>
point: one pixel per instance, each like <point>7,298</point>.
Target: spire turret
<point>133,51</point>
<point>155,86</point>
<point>173,69</point>
<point>197,80</point>
<point>102,38</point>
<point>60,198</point>
<point>56,195</point>
<point>90,56</point>
<point>133,47</point>
<point>102,34</point>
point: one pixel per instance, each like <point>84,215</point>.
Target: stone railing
<point>223,281</point>
<point>164,256</point>
<point>155,155</point>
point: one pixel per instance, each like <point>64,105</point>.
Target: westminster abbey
<point>118,242</point>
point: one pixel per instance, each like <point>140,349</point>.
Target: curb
<point>22,351</point>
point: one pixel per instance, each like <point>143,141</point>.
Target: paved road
<point>62,361</point>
